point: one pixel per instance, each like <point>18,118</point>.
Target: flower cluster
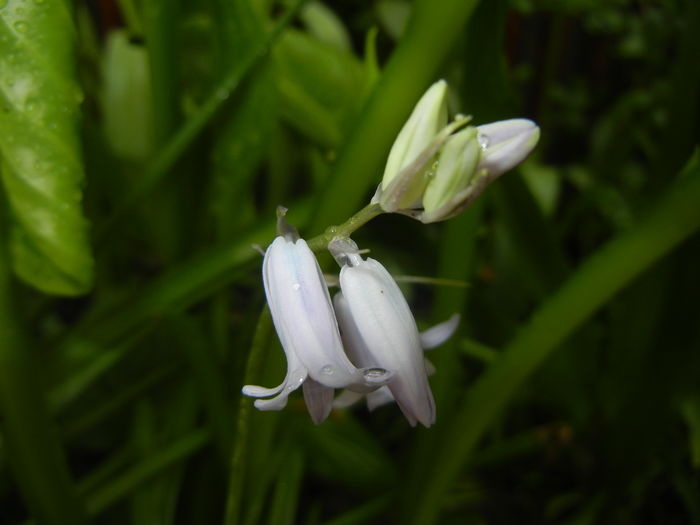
<point>366,341</point>
<point>380,353</point>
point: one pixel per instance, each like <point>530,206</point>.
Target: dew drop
<point>222,94</point>
<point>21,27</point>
<point>328,370</point>
<point>296,286</point>
<point>374,373</point>
<point>483,140</point>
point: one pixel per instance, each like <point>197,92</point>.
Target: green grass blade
<point>676,216</point>
<point>30,438</point>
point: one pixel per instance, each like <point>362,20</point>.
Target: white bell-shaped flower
<point>379,328</point>
<point>307,328</point>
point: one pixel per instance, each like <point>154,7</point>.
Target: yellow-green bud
<point>429,117</point>
<point>455,173</point>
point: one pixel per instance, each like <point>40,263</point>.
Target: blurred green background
<point>144,147</point>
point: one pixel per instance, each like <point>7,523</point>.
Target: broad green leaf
<point>42,170</point>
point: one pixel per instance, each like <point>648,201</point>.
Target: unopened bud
<point>506,143</point>
<point>429,117</point>
<point>455,173</point>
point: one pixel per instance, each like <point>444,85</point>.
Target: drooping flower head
<point>307,328</point>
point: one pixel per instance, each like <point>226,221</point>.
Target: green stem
<point>676,217</point>
<point>160,22</point>
<point>31,440</point>
<point>362,217</point>
<point>240,447</point>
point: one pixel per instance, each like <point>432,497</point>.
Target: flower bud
<point>455,173</point>
<point>470,160</point>
<point>405,167</point>
<point>505,144</point>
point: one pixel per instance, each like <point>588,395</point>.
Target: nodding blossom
<point>378,327</point>
<point>305,322</point>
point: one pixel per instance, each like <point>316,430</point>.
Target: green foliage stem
<point>260,343</point>
<point>31,441</point>
<point>675,217</point>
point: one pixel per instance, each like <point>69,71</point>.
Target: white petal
<point>319,400</point>
<point>389,331</point>
<point>293,380</point>
<point>379,398</point>
<point>347,398</point>
<point>357,349</point>
<point>302,313</point>
<point>439,333</point>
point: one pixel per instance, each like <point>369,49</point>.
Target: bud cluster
<point>435,168</point>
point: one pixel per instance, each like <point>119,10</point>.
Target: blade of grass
<point>285,497</point>
<point>363,513</point>
<point>30,439</point>
<point>176,146</point>
<point>673,219</point>
<point>120,487</point>
<point>89,418</point>
<point>261,340</point>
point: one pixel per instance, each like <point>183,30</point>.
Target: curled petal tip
<point>439,333</point>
